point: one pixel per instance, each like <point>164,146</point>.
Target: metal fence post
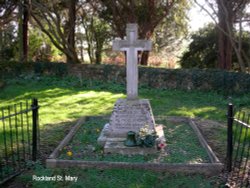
<point>229,137</point>
<point>34,128</point>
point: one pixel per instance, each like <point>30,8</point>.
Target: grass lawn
<point>183,145</point>
<point>113,178</point>
<point>64,100</point>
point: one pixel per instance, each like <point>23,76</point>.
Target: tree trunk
<point>98,51</point>
<point>1,44</point>
<point>82,55</point>
<point>98,57</point>
<point>71,35</point>
<point>225,52</point>
<point>144,58</point>
<point>225,26</point>
<point>25,30</point>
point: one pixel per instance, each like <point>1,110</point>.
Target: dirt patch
<point>49,141</point>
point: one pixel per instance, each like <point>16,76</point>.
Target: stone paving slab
<point>116,145</point>
<point>208,169</point>
<point>119,148</point>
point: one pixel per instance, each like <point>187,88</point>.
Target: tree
<point>169,34</point>
<point>225,23</point>
<point>40,46</point>
<point>71,27</point>
<point>7,14</point>
<point>147,13</point>
<point>97,31</point>
<point>23,29</point>
<point>228,14</point>
<point>8,34</point>
<point>203,50</point>
<point>57,20</point>
<point>8,42</point>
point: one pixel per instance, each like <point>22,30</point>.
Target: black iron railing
<point>238,148</point>
<point>19,136</point>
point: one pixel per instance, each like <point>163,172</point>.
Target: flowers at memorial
<point>144,131</point>
<point>146,137</point>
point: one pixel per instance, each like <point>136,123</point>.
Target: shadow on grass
<point>50,137</point>
<point>60,103</point>
<point>67,98</point>
<point>63,101</point>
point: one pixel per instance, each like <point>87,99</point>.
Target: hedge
<point>186,79</point>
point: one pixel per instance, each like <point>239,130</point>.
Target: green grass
<point>60,100</point>
<point>64,100</point>
<point>182,145</point>
<point>114,178</point>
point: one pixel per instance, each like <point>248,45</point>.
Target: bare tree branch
<point>54,24</point>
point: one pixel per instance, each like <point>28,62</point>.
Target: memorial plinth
<point>129,115</point>
<point>132,113</point>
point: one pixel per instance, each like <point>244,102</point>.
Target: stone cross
<point>132,45</point>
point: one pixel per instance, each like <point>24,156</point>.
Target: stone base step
<point>118,147</point>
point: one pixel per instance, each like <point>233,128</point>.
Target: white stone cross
<point>132,45</point>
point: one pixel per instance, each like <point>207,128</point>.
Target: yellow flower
<point>69,153</point>
<point>98,130</point>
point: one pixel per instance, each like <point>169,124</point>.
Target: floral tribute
<point>146,137</point>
